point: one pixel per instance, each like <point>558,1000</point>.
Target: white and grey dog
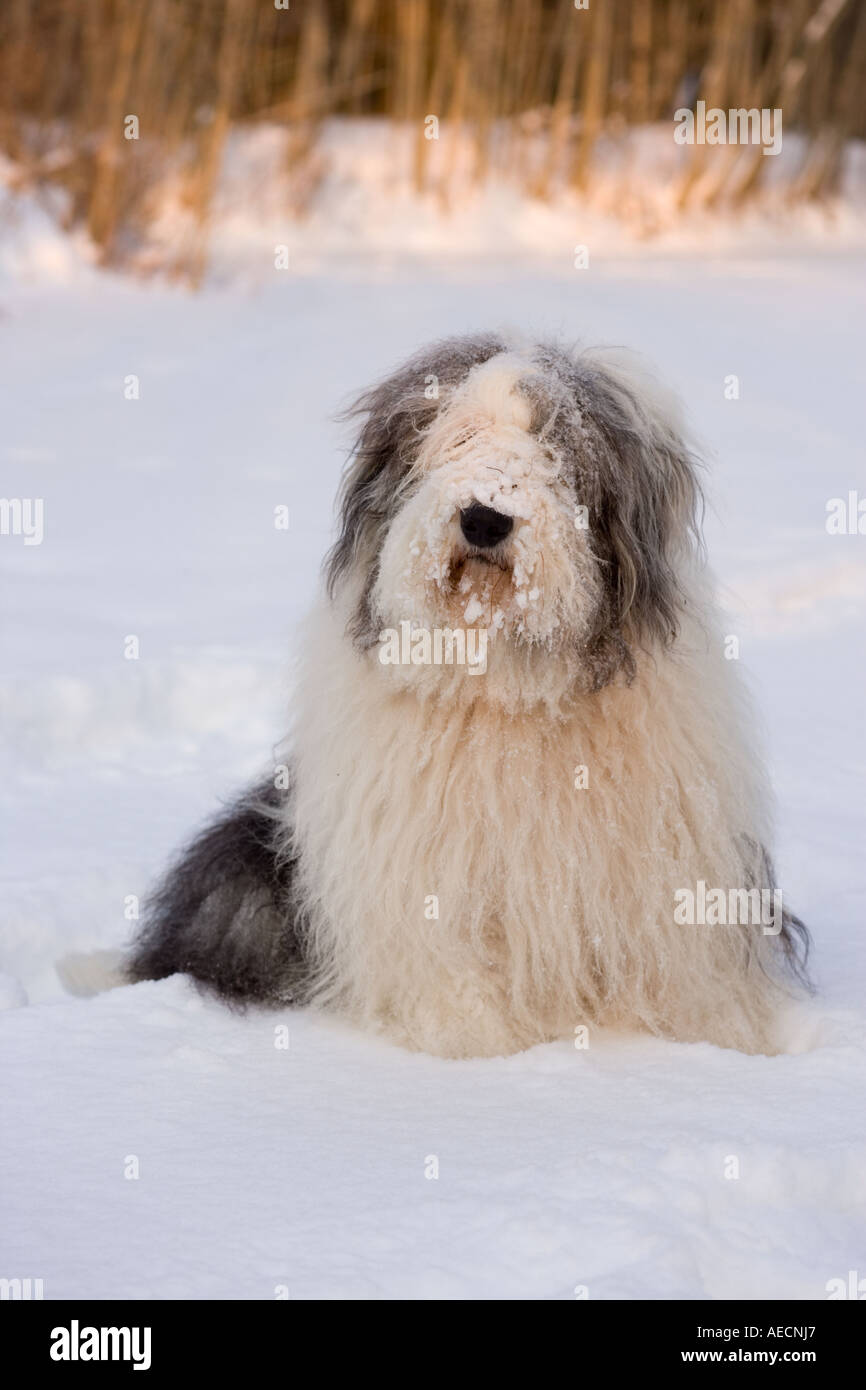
<point>475,855</point>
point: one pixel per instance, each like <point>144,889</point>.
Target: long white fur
<point>414,784</point>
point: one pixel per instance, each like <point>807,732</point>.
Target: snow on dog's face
<point>487,533</point>
<point>542,496</point>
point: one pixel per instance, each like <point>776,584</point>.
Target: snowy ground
<point>304,1169</point>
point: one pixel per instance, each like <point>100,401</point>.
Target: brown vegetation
<point>505,71</point>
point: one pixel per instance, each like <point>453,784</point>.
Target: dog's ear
<point>395,414</point>
<point>643,495</point>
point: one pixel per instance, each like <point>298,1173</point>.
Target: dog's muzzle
<point>484,527</point>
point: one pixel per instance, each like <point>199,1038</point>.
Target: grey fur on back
<point>225,912</point>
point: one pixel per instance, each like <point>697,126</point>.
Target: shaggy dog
<point>474,855</point>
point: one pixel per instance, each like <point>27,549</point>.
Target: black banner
<point>71,1338</point>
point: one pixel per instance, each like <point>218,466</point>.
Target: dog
<point>471,855</point>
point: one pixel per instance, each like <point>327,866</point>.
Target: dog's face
<point>487,531</point>
<point>543,496</point>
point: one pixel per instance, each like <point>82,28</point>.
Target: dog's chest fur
<point>468,894</point>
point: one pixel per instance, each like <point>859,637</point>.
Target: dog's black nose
<point>482,526</point>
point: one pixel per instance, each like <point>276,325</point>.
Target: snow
<point>357,204</point>
<point>305,1168</point>
<point>265,1169</point>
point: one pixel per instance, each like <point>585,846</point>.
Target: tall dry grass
<point>512,74</point>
